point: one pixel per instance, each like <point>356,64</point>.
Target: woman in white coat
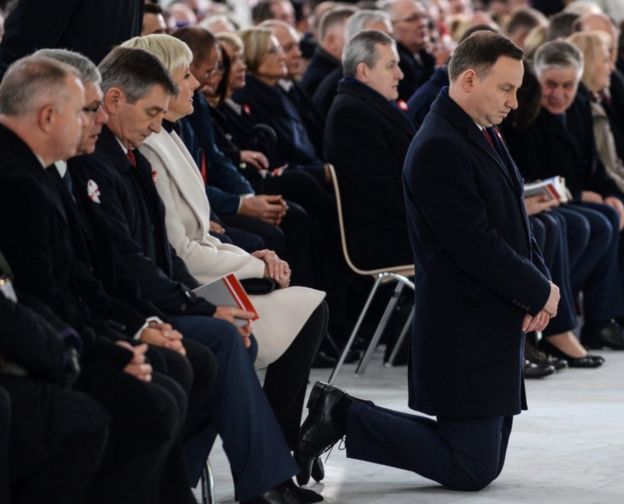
<point>292,320</point>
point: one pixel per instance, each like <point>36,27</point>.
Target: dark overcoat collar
<point>373,99</point>
<point>446,106</point>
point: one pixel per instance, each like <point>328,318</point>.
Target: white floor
<point>569,446</point>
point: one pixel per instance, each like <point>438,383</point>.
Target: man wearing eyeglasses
<point>411,31</point>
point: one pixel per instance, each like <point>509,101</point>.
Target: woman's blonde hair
<point>172,52</point>
<point>255,46</point>
<point>230,39</point>
<point>593,45</point>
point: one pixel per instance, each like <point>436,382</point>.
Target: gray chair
<point>207,485</point>
<point>392,274</point>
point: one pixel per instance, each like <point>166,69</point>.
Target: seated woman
<point>269,104</point>
<point>292,319</point>
<point>596,77</point>
<point>235,132</point>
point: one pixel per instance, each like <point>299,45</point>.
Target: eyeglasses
<point>409,19</point>
<point>276,49</point>
<point>93,109</point>
<point>215,70</point>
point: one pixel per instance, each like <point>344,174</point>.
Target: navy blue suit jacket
<point>415,73</point>
<point>225,182</point>
<point>419,104</point>
<point>129,201</point>
<point>478,270</point>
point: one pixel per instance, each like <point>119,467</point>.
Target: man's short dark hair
<point>333,17</point>
<point>135,72</point>
<point>262,11</point>
<point>561,25</point>
<point>200,41</point>
<point>153,8</point>
<point>480,52</point>
<point>524,18</point>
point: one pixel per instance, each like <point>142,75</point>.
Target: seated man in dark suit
<point>90,27</point>
<point>136,94</point>
<point>480,285</point>
<point>411,31</point>
<point>331,41</point>
<point>366,138</point>
<point>58,435</point>
<point>147,415</point>
<point>561,142</point>
<point>5,425</point>
<point>361,20</point>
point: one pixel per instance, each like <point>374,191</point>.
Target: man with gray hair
<point>58,435</point>
<point>331,41</point>
<point>137,89</point>
<point>560,142</point>
<point>366,138</point>
<point>411,31</point>
<point>57,255</point>
<point>361,20</point>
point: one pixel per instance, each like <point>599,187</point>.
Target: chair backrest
<point>343,237</point>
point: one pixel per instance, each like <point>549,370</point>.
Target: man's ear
<point>113,99</point>
<point>468,80</point>
<point>362,72</point>
<point>46,118</point>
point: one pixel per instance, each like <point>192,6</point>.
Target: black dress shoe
<point>610,336</point>
<point>534,355</point>
<point>281,494</point>
<point>535,370</point>
<point>318,470</point>
<point>325,424</point>
<point>588,361</point>
<point>305,495</point>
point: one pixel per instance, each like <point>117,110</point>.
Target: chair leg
<point>356,328</point>
<point>399,341</point>
<point>363,364</point>
<point>207,485</point>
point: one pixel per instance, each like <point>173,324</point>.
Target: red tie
<point>488,137</point>
<point>203,169</point>
<point>132,158</point>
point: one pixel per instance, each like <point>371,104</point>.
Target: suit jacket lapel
<point>509,173</point>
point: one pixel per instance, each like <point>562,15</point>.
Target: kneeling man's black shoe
<point>325,424</point>
<point>286,493</point>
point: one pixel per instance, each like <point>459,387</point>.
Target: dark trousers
<point>5,425</point>
<point>146,421</point>
<point>298,240</point>
<point>57,440</point>
<point>286,379</point>
<point>597,272</point>
<point>460,454</point>
<point>239,411</point>
<point>195,374</point>
<point>550,232</point>
<point>272,236</point>
<point>247,241</point>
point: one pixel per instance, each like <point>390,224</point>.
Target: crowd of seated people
<point>178,142</point>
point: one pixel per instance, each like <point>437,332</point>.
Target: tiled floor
<point>569,446</point>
